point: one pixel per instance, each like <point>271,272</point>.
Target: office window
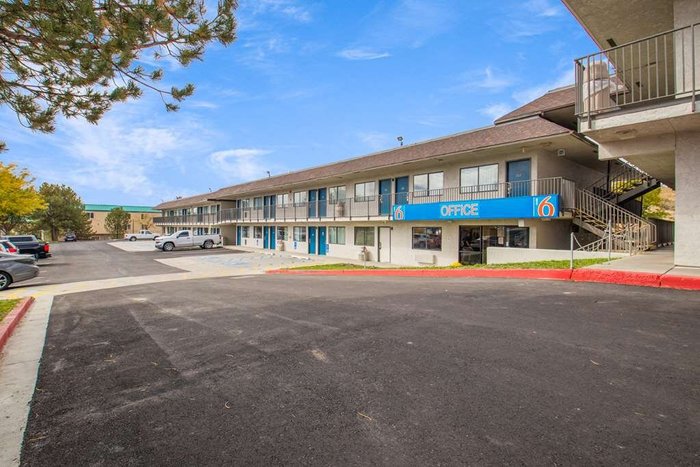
<point>283,200</point>
<point>336,235</point>
<point>299,234</point>
<point>300,198</point>
<point>364,236</point>
<point>428,184</point>
<point>245,231</point>
<point>257,231</point>
<point>364,191</point>
<point>258,202</point>
<point>427,238</point>
<point>335,194</point>
<point>282,233</point>
<point>482,178</point>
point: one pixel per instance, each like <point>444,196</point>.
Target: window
<point>428,184</point>
<point>518,237</point>
<point>183,234</point>
<point>364,236</point>
<point>300,198</point>
<point>283,200</point>
<point>257,231</point>
<point>335,194</point>
<point>427,238</point>
<point>245,231</point>
<point>258,202</point>
<point>482,178</point>
<point>299,234</point>
<point>336,235</point>
<point>282,233</point>
<point>245,203</point>
<point>364,191</point>
<point>215,230</point>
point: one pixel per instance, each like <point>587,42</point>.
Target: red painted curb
<point>680,282</point>
<point>644,279</point>
<point>12,320</point>
<point>605,276</point>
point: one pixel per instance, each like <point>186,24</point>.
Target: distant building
<point>141,218</point>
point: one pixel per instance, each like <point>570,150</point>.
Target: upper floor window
<point>365,191</point>
<point>283,200</point>
<point>428,184</point>
<point>300,197</point>
<point>245,203</point>
<point>258,202</point>
<point>336,194</point>
<point>481,178</point>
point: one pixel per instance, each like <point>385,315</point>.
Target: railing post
<point>571,247</point>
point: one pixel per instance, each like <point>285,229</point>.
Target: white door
<point>183,239</point>
<point>384,245</point>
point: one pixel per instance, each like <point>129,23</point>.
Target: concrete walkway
<point>654,262</point>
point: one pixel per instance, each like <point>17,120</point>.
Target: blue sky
<point>308,83</point>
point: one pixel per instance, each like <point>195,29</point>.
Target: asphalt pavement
<point>272,370</point>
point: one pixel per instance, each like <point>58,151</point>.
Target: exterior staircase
<point>624,182</point>
<point>619,229</point>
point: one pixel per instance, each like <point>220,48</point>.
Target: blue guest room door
<point>384,196</point>
<point>321,240</point>
<point>401,185</point>
<point>313,196</point>
<point>238,235</point>
<point>518,177</point>
<point>266,237</point>
<point>322,195</point>
<point>273,235</point>
<point>312,240</point>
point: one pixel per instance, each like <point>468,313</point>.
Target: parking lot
<point>339,370</point>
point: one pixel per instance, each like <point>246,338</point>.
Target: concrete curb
<point>605,276</point>
<point>8,325</point>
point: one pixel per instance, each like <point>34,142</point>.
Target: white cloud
<point>362,54</point>
<point>202,104</point>
<point>240,164</point>
<point>488,79</point>
<point>528,19</point>
<point>526,95</point>
<point>543,8</point>
<point>376,140</point>
<point>497,110</point>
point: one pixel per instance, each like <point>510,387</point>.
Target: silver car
<point>16,268</point>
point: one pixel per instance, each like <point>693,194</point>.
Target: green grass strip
<point>6,307</point>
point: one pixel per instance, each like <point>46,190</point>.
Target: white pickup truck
<point>187,239</point>
<point>140,235</point>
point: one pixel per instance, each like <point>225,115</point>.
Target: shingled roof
<point>497,135</point>
<point>554,99</point>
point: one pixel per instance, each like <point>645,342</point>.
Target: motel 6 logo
<point>399,213</point>
<point>545,207</point>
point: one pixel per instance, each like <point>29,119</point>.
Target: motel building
<point>514,191</point>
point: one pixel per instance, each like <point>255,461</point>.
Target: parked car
<point>7,246</point>
<point>29,245</point>
<point>187,239</point>
<point>70,237</point>
<point>141,235</point>
<point>16,268</point>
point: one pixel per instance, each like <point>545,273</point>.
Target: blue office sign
<point>520,207</point>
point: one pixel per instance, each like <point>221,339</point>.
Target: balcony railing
<point>379,206</point>
<point>663,66</point>
<point>189,219</point>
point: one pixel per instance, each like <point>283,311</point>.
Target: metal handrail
<point>627,231</point>
<point>622,180</point>
<point>639,71</point>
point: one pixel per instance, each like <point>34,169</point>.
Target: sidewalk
<point>658,262</point>
<point>315,259</point>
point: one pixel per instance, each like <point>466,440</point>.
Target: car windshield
<point>21,239</point>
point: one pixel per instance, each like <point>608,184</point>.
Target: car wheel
<point>208,244</point>
<point>168,247</point>
<point>132,239</point>
<point>5,280</point>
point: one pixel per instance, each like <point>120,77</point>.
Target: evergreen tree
<point>63,212</point>
<point>79,57</point>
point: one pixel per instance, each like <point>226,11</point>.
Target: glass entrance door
<point>470,247</point>
<point>518,177</point>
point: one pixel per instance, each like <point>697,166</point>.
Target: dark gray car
<point>16,268</point>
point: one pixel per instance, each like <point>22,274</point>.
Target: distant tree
<point>18,197</point>
<point>659,204</point>
<point>79,57</point>
<point>117,222</point>
<point>63,212</point>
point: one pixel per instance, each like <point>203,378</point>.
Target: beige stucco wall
<point>687,226</point>
<point>139,221</point>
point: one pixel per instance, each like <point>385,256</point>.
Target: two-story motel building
<point>512,186</point>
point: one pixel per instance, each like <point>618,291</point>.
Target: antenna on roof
<point>268,174</point>
<point>178,197</point>
<point>209,189</point>
<point>400,140</point>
